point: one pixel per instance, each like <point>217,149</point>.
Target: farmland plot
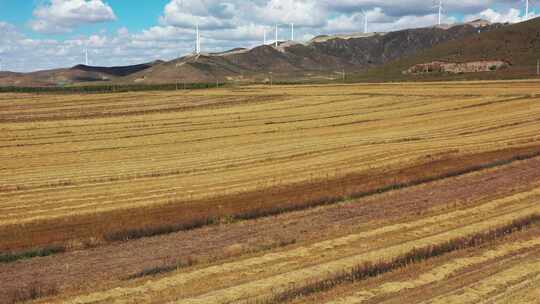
<point>288,187</point>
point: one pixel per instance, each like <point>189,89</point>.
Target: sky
<point>46,34</point>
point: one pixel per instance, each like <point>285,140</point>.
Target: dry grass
<point>258,276</point>
<point>233,251</point>
<point>33,291</point>
<point>123,166</point>
<point>417,255</point>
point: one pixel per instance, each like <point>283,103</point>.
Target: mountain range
<point>324,57</point>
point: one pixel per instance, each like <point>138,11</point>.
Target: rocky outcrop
<point>458,67</point>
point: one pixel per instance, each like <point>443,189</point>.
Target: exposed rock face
<point>456,68</point>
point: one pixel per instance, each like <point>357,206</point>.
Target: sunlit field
<point>302,194</point>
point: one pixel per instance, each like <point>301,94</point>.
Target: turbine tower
<point>526,9</point>
<point>264,35</point>
<point>292,31</point>
<point>440,11</point>
<point>276,42</point>
<point>198,40</point>
<point>86,56</point>
<point>365,21</point>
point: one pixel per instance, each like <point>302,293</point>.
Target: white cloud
<point>164,33</point>
<point>512,15</point>
<point>306,13</point>
<point>208,14</point>
<point>21,53</point>
<point>122,32</point>
<point>59,16</point>
<point>378,21</point>
<point>409,7</point>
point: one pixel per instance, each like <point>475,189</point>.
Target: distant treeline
<point>111,88</point>
<point>145,87</point>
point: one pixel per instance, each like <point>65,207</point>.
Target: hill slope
<point>291,60</point>
<point>76,74</point>
<point>519,44</point>
<point>324,56</point>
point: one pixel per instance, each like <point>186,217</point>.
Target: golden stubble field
<point>429,163</point>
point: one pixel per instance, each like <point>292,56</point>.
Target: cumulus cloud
<point>208,14</point>
<point>378,21</point>
<point>512,16</point>
<point>18,52</point>
<point>407,8</point>
<point>59,16</point>
<point>302,13</point>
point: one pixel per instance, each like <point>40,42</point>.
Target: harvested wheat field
<point>380,193</point>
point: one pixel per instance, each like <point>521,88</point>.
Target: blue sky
<point>43,34</point>
<point>136,15</point>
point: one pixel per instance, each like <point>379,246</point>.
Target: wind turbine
<point>526,9</point>
<point>86,56</point>
<point>198,40</point>
<point>365,21</point>
<point>276,42</point>
<point>292,31</point>
<point>264,40</point>
<point>440,8</point>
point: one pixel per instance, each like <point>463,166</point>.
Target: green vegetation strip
<point>41,252</point>
<point>111,88</point>
<point>370,270</point>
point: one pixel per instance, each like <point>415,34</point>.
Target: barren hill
<point>76,74</point>
<point>517,44</point>
<point>320,57</point>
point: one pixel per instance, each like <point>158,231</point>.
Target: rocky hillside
<point>517,44</point>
